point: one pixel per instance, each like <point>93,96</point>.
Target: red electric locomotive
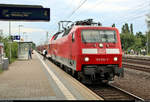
<point>89,51</point>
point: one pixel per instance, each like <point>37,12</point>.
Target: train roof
<point>75,27</point>
<point>86,27</point>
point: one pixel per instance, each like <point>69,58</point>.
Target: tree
<point>131,28</point>
<point>113,25</point>
<point>14,48</point>
<point>123,29</point>
<point>136,42</point>
<point>127,28</point>
<point>127,40</point>
<point>148,39</point>
<point>142,37</point>
<point>137,45</point>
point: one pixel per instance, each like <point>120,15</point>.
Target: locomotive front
<point>101,53</point>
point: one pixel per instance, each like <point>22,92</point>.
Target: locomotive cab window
<point>92,36</point>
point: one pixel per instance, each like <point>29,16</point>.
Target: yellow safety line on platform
<point>61,86</point>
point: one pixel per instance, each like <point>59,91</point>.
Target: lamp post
<point>1,34</point>
<point>19,29</point>
<point>148,27</point>
<point>147,42</point>
<point>10,41</point>
<point>24,35</point>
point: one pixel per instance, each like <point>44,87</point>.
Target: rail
<point>110,92</point>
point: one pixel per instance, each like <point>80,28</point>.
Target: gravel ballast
<point>135,82</point>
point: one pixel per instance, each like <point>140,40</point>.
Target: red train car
<point>40,48</point>
<point>88,52</point>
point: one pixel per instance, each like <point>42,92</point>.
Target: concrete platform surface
<point>36,79</point>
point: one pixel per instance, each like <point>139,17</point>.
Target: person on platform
<point>44,54</point>
<point>144,52</point>
<point>30,53</point>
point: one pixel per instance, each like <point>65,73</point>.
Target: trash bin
<point>5,63</point>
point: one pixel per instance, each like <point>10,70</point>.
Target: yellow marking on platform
<point>61,86</point>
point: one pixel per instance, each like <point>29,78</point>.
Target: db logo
<point>101,51</point>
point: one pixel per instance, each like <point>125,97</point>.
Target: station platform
<point>36,79</point>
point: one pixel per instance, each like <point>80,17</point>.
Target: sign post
<point>13,12</point>
<point>10,41</point>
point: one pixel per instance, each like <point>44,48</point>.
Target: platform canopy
<point>13,12</point>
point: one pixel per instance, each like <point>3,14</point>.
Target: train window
<point>99,36</point>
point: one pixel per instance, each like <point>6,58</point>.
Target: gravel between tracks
<point>135,82</point>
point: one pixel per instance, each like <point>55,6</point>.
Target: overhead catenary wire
<point>135,15</point>
<point>132,11</point>
<point>75,10</point>
<point>82,3</point>
<point>56,21</point>
<point>125,18</point>
<point>97,3</point>
<point>131,17</point>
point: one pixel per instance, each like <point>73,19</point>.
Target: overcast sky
<point>105,11</point>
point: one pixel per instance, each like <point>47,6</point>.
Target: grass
<point>12,60</point>
<point>1,70</point>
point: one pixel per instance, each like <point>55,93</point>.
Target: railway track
<point>110,92</point>
<point>136,58</point>
<point>137,61</point>
<point>137,64</point>
<point>136,67</point>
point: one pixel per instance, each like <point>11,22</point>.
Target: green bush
<point>1,70</point>
<point>14,49</point>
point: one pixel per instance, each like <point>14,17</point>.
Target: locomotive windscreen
<point>98,36</point>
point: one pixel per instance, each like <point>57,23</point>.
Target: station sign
<point>24,13</point>
<point>16,37</point>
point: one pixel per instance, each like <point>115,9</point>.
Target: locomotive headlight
<point>86,59</point>
<point>101,45</point>
<point>115,59</point>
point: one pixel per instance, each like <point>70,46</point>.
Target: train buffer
<point>37,79</point>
